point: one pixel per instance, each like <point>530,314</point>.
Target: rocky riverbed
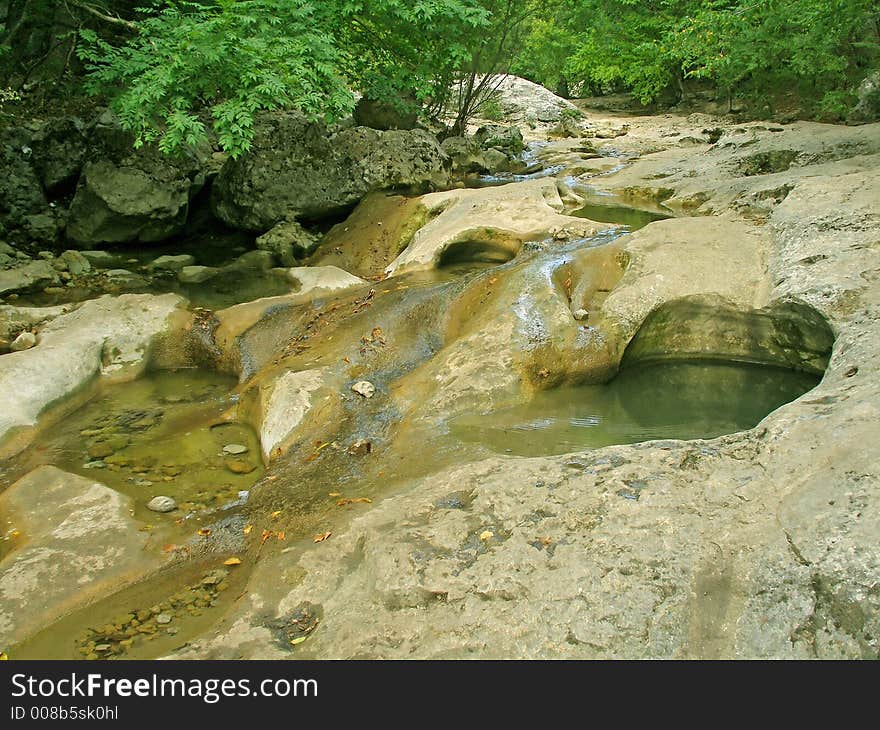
<point>612,243</point>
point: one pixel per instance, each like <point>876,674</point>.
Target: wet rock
<point>235,449</point>
<point>288,241</point>
<point>322,279</point>
<point>33,275</point>
<point>301,169</point>
<point>25,341</point>
<point>162,504</point>
<point>172,263</point>
<point>163,619</point>
<point>239,466</point>
<point>489,224</point>
<point>77,264</point>
<point>364,388</point>
<point>259,260</point>
<point>196,274</point>
<point>581,314</point>
<point>284,405</point>
<point>100,259</point>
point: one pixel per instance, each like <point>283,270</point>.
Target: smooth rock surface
<point>79,542</point>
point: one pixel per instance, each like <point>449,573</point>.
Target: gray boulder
<point>130,195</point>
<point>32,275</point>
<point>506,139</point>
<point>302,169</point>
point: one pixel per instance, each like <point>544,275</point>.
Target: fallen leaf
<point>265,536</point>
<point>493,279</point>
<point>14,534</point>
<point>145,528</point>
<point>486,535</point>
<point>232,561</point>
<point>247,529</point>
<point>271,477</point>
<point>169,548</point>
<point>280,535</point>
<point>204,531</point>
<point>545,541</point>
<point>335,494</point>
<point>275,513</point>
<point>323,536</point>
<point>298,640</point>
<point>364,500</point>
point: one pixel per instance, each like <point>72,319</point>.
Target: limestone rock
<point>162,504</point>
<point>172,263</point>
<point>25,341</point>
<point>77,264</point>
<point>111,336</point>
<point>196,274</point>
<point>322,279</point>
<point>34,275</point>
<point>301,169</point>
<point>127,195</point>
<point>364,388</point>
<point>82,544</point>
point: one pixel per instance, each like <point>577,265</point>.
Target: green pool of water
<point>681,400</point>
<point>162,434</point>
<point>633,218</point>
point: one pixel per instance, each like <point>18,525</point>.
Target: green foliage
<point>235,56</point>
<point>819,48</point>
<point>238,57</point>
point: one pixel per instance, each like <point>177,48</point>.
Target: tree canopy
<point>175,70</point>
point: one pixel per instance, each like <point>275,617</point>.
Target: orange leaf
<point>275,514</point>
<point>204,531</point>
<point>280,535</point>
<point>247,529</point>
<point>232,561</point>
<point>323,536</point>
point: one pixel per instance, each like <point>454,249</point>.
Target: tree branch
<point>106,17</point>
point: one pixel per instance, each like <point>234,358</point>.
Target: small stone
<point>103,647</point>
<point>163,618</point>
<point>25,341</point>
<point>581,314</point>
<point>162,504</point>
<point>235,449</point>
<point>196,274</point>
<point>364,388</point>
<point>144,614</point>
<point>172,263</point>
<point>360,448</point>
<point>239,466</point>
